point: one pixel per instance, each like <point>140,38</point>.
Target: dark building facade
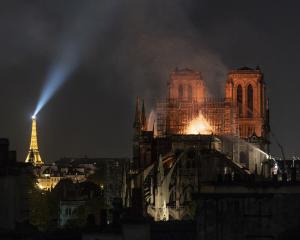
<point>248,211</point>
<point>16,180</point>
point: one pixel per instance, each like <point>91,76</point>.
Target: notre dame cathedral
<point>196,139</point>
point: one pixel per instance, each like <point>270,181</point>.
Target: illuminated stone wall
<point>246,89</point>
<point>186,85</point>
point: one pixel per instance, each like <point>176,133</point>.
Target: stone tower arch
<point>245,89</point>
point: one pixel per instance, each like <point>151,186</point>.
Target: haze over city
<point>126,49</point>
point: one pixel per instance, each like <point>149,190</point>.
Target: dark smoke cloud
<point>157,37</point>
<point>129,49</point>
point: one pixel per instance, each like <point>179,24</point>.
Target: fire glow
<point>199,125</point>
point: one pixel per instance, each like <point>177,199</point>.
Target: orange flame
<point>199,125</point>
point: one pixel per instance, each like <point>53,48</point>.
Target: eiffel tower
<point>33,154</point>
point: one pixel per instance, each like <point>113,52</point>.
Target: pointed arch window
<point>239,100</point>
<point>180,91</point>
<point>190,93</point>
<point>250,101</point>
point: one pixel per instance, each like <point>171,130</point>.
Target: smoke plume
<point>110,51</point>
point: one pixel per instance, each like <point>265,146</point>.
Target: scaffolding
<point>174,115</point>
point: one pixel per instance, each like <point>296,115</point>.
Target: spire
<point>143,118</point>
<point>33,154</point>
<point>137,118</point>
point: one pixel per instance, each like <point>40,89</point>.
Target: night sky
<point>127,48</point>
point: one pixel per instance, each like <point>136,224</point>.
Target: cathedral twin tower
<point>243,112</point>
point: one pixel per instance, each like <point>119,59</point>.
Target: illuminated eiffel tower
<point>33,154</point>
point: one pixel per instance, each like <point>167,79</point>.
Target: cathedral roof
<point>186,72</point>
<point>245,68</point>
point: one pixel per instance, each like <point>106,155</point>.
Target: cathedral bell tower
<point>245,89</point>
